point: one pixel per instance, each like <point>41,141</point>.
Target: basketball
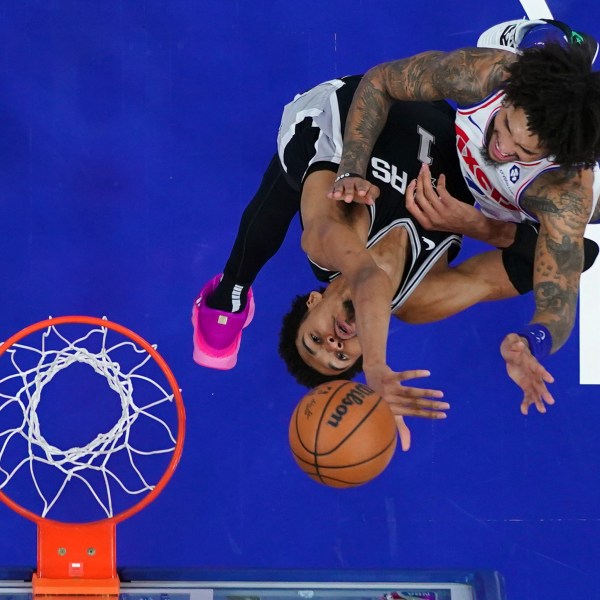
<point>342,434</point>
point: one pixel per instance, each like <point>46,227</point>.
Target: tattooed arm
<point>465,76</point>
<point>596,216</point>
<point>561,201</point>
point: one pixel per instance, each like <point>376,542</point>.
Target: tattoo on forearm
<point>364,125</point>
<point>466,76</point>
<point>561,200</point>
<point>560,304</point>
<point>558,265</point>
<point>568,256</point>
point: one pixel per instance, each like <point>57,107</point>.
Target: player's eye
<point>341,356</point>
<point>315,338</point>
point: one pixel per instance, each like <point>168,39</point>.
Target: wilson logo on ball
<point>355,396</point>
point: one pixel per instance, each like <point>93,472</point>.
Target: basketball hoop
<point>112,468</point>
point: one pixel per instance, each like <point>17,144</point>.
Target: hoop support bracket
<point>76,559</point>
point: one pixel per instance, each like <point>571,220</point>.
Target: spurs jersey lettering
<point>498,187</point>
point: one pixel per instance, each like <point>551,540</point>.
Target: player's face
<point>326,338</point>
<point>510,140</point>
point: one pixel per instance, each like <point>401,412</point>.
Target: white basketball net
<point>79,463</point>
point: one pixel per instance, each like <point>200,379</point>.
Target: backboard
<point>136,584</point>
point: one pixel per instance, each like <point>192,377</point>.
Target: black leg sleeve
<point>263,226</point>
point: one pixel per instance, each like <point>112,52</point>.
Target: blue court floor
<point>133,134</point>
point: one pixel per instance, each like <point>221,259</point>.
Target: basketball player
<point>336,236</point>
<point>384,256</point>
<point>528,140</point>
<point>344,239</point>
<point>223,308</point>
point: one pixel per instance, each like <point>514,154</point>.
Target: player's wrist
<point>492,231</point>
<point>502,234</point>
<point>539,340</point>
<point>347,174</point>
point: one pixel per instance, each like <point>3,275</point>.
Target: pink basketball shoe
<point>218,334</point>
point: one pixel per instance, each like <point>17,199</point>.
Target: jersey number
<point>387,173</point>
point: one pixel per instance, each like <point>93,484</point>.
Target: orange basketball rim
<point>80,558</point>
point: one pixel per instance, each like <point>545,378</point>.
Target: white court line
<point>536,9</point>
<point>589,319</point>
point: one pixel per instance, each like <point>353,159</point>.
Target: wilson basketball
<point>342,434</point>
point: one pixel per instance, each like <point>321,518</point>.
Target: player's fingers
<point>444,196</point>
<point>336,192</point>
<point>413,412</point>
<point>404,433</point>
<point>357,190</point>
<point>525,407</point>
<point>342,190</point>
<point>413,206</point>
<point>441,185</point>
<point>536,399</point>
<point>519,345</point>
<point>416,395</point>
<point>364,189</point>
<point>548,398</point>
<point>411,374</point>
<point>517,350</point>
<point>402,402</point>
<point>425,195</point>
<point>372,193</point>
<point>545,375</point>
<point>427,183</point>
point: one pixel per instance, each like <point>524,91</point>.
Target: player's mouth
<point>343,329</point>
<point>496,153</point>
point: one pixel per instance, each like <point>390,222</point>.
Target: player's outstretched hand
<point>435,208</point>
<point>406,401</point>
<point>353,188</point>
<point>525,370</point>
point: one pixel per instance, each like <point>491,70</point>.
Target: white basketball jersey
<point>497,187</point>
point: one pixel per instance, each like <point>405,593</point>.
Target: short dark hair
<point>304,374</point>
<point>560,95</point>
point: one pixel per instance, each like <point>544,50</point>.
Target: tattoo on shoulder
<point>473,73</point>
<point>466,75</point>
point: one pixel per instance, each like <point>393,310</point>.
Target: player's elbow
<point>309,242</point>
